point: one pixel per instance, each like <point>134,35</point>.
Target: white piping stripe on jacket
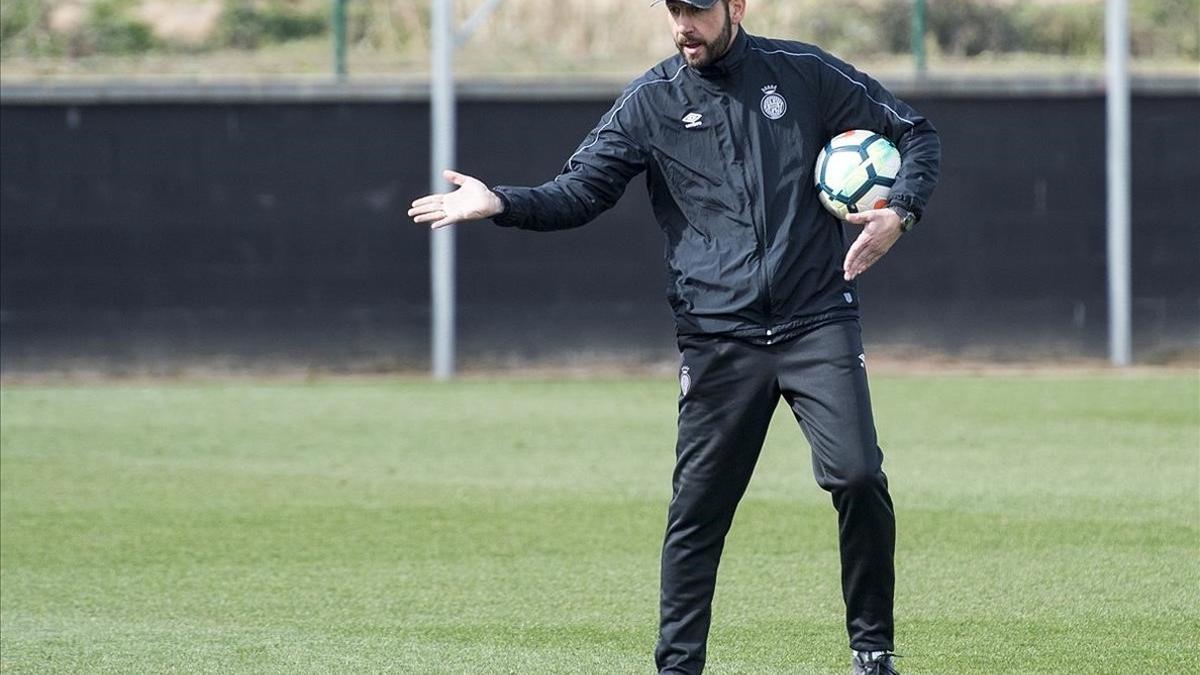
<point>848,78</point>
<point>618,109</point>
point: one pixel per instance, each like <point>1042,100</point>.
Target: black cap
<point>699,4</point>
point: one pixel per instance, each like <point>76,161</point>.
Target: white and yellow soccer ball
<point>855,172</point>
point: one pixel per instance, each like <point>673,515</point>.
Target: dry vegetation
<point>533,37</point>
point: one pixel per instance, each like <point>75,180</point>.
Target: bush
<point>971,28</point>
<point>1165,28</point>
<point>1159,28</point>
<point>531,32</point>
<point>1066,30</point>
<point>384,25</point>
<point>110,28</point>
<point>16,17</point>
<point>25,28</point>
<point>247,25</point>
<point>896,16</point>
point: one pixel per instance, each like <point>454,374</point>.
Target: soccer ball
<point>855,172</point>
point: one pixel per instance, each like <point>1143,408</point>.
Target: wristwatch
<point>907,218</point>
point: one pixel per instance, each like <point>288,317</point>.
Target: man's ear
<point>737,10</point>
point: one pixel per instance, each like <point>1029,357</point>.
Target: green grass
<point>514,527</point>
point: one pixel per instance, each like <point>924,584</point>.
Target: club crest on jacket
<point>773,105</point>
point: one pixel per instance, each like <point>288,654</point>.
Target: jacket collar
<point>731,61</point>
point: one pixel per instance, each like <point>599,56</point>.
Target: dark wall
<point>147,235</point>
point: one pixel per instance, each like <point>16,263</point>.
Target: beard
<point>712,50</point>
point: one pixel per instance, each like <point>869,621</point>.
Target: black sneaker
<point>874,663</point>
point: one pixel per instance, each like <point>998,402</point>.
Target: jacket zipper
<point>749,179</point>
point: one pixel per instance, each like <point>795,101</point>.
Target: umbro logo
<point>691,120</point>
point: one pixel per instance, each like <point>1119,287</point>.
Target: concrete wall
<point>156,228</point>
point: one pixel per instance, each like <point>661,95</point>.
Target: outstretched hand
<point>471,201</point>
<point>881,229</point>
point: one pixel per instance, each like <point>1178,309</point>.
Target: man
<point>765,302</point>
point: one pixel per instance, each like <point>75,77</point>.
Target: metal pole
<point>442,122</point>
<point>917,38</point>
<point>1117,51</point>
<point>339,38</point>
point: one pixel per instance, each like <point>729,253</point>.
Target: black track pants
<point>731,390</point>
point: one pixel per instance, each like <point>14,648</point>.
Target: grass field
<point>1047,524</point>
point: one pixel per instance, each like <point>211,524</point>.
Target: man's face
<point>703,35</point>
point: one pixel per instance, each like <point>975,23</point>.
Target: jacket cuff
<point>509,216</point>
<point>907,203</point>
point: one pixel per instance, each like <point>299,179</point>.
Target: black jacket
<point>729,151</point>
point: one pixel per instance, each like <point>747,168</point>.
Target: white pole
<point>1117,52</point>
<point>442,123</point>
